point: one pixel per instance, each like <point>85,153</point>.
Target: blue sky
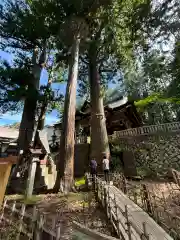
<point>8,118</point>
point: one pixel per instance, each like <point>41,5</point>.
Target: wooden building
<point>120,115</point>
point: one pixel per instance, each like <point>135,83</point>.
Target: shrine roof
<point>8,133</point>
<point>119,103</point>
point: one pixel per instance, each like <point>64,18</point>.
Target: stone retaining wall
<point>155,154</point>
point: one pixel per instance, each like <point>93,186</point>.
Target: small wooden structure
<point>5,170</point>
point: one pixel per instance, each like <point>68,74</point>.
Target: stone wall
<point>81,158</point>
<point>158,155</point>
<point>155,154</point>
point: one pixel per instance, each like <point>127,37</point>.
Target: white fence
<point>146,130</point>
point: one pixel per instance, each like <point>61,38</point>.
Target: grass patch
<point>32,200</point>
<point>80,182</point>
<point>72,197</point>
<point>14,197</point>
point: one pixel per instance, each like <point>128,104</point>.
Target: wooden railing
<point>128,219</point>
<point>34,225</point>
<point>146,130</point>
<point>121,219</point>
<point>37,226</point>
<point>159,200</point>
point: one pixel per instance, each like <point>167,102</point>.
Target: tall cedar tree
<point>24,32</point>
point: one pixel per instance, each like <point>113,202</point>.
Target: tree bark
<point>27,123</point>
<point>99,137</point>
<point>41,119</point>
<point>29,112</point>
<point>26,128</point>
<point>65,175</point>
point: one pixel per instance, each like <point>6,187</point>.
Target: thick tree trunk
<point>99,137</point>
<point>27,123</point>
<point>41,119</point>
<point>66,157</point>
<point>26,129</point>
<point>29,112</point>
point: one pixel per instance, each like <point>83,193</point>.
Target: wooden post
<point>84,218</point>
<point>53,226</point>
<point>13,209</point>
<point>35,153</point>
<point>96,188</point>
<point>58,232</point>
<point>109,205</point>
<point>105,199</point>
<point>145,235</point>
<point>128,223</point>
<point>23,208</point>
<point>117,217</point>
<point>4,206</point>
<point>31,178</point>
<point>135,197</point>
<point>38,233</point>
<point>101,187</point>
<point>147,199</point>
<point>34,221</point>
<point>124,184</point>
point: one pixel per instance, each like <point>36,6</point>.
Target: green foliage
<point>150,99</point>
<point>80,182</point>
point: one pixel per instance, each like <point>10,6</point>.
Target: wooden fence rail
<point>121,220</point>
<point>37,226</point>
<point>128,219</point>
<point>32,225</point>
<point>160,202</point>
